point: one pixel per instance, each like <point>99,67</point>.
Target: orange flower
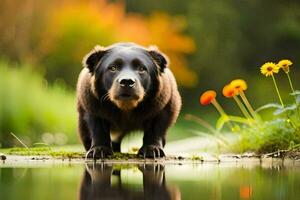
<point>207,97</point>
<point>239,85</point>
<point>229,91</point>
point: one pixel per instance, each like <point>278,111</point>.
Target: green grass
<point>44,151</point>
<point>60,152</point>
<point>280,133</point>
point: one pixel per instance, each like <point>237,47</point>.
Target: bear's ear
<point>159,58</point>
<point>91,60</point>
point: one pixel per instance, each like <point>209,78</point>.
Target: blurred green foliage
<point>29,108</point>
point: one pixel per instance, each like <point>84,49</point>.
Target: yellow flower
<point>285,65</point>
<point>269,68</point>
<point>239,85</point>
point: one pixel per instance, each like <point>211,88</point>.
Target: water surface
<point>150,181</point>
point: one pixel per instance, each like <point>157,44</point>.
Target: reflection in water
<point>228,181</point>
<point>245,192</point>
<point>97,184</point>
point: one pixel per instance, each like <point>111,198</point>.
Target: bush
<point>33,110</point>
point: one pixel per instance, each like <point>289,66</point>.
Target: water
<point>120,181</point>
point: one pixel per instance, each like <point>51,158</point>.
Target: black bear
<point>122,88</point>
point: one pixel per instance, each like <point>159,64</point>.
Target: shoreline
<point>222,160</point>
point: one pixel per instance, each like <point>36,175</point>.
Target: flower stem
<point>242,107</point>
<point>222,112</point>
<point>248,105</point>
<point>291,123</point>
<point>290,81</point>
<point>295,98</point>
<point>218,107</point>
<point>202,122</point>
<point>291,85</point>
<point>277,90</point>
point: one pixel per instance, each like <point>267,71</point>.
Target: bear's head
<point>124,73</point>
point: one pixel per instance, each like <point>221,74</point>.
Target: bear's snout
<point>127,82</point>
<point>126,92</point>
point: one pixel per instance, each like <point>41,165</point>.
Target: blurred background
<point>209,43</point>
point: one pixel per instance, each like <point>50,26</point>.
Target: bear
<point>122,88</point>
<point>97,183</point>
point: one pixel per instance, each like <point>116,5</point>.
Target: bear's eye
<point>141,69</point>
<point>112,68</point>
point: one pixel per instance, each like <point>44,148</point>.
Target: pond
<point>150,181</point>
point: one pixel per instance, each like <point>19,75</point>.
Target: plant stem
<point>295,98</point>
<point>291,123</point>
<point>248,105</point>
<point>19,140</point>
<point>292,88</point>
<point>242,107</point>
<point>222,112</point>
<point>201,122</point>
<point>290,81</point>
<point>277,90</point>
<point>218,107</point>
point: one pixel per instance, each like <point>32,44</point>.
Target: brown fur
<point>153,115</point>
<point>167,94</point>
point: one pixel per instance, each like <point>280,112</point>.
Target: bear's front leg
<point>154,138</point>
<point>100,136</point>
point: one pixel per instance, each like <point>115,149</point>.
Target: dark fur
<point>101,117</point>
<point>97,184</point>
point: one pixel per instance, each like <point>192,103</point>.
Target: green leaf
<point>201,133</point>
<point>296,93</point>
<point>269,105</point>
<point>286,109</point>
<point>240,119</point>
<point>221,121</point>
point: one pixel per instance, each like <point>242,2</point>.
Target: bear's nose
<point>127,82</point>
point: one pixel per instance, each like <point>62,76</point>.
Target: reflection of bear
<point>96,184</point>
<point>126,87</point>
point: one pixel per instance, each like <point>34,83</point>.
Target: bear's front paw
<point>99,152</point>
<point>151,151</point>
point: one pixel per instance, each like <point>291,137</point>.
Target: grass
<point>44,151</point>
<point>59,152</point>
<point>270,136</point>
<point>197,158</point>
